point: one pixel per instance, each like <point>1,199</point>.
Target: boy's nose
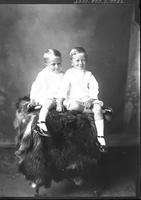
<point>56,66</point>
<point>81,62</point>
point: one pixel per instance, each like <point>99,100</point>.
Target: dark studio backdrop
<point>109,33</point>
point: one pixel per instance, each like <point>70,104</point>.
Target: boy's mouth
<point>81,66</point>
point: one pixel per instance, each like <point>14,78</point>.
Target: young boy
<point>80,90</point>
<point>44,92</point>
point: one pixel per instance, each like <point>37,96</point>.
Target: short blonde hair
<point>77,50</point>
<point>51,52</point>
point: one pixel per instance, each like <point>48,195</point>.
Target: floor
<point>119,177</point>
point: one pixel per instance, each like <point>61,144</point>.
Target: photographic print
<point>69,99</point>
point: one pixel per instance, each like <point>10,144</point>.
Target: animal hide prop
<point>69,151</point>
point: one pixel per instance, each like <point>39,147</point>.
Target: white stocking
<point>100,131</point>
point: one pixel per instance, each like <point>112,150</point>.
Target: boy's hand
<point>96,101</point>
<point>59,105</point>
<point>59,108</point>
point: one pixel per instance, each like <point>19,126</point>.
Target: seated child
<point>44,90</point>
<point>80,90</point>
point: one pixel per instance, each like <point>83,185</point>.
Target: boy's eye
<point>53,64</point>
<point>56,64</point>
<point>80,60</point>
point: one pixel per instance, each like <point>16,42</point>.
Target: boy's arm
<point>63,92</point>
<point>36,88</point>
<point>64,87</point>
<point>93,88</point>
<point>93,92</point>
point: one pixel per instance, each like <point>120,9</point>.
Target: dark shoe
<point>103,149</point>
<point>41,131</point>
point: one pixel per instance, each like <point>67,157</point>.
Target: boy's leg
<point>74,105</point>
<point>99,122</point>
<point>44,112</point>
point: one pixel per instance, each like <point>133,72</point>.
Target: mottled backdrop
<point>27,30</point>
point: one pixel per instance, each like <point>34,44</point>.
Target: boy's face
<point>54,63</point>
<point>79,61</point>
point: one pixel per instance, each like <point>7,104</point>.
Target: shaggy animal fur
<point>73,142</point>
